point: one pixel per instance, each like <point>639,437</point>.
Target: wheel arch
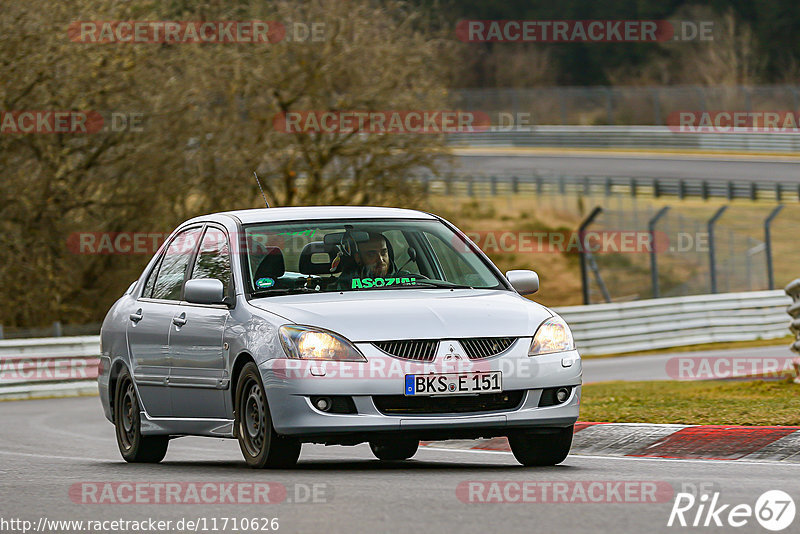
<point>236,370</point>
<point>116,370</point>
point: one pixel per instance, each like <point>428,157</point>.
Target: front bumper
<point>291,383</point>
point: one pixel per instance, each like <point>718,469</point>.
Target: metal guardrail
<point>793,290</point>
<point>47,367</point>
<point>543,182</point>
<point>677,321</point>
<point>654,137</point>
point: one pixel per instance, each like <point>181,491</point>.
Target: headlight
<point>308,343</point>
<point>552,336</point>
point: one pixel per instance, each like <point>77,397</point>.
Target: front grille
<point>410,349</point>
<point>483,347</point>
<point>484,402</point>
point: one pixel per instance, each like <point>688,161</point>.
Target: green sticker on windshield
<point>263,283</point>
<point>382,282</point>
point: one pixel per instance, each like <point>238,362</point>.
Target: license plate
<point>454,383</point>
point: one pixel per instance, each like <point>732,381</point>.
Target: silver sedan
<point>334,325</point>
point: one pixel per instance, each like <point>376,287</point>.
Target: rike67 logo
<point>774,510</point>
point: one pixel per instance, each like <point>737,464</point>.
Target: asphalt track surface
<point>47,446</point>
<point>785,170</point>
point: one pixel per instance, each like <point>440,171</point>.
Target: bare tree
<point>208,123</point>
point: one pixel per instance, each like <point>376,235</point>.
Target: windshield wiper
<point>438,283</point>
<point>283,291</point>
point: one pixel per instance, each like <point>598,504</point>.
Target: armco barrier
<point>48,367</point>
<point>31,368</point>
<point>793,290</point>
<point>677,321</point>
<point>642,137</point>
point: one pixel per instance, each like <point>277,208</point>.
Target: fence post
<point>712,260</point>
<point>651,227</point>
<point>777,192</point>
<point>753,191</point>
<point>768,244</point>
<point>57,329</point>
<point>515,184</point>
<point>730,190</point>
<point>583,249</point>
<point>704,189</point>
<point>657,107</point>
<point>493,180</point>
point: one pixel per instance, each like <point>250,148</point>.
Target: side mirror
<point>204,291</point>
<point>524,281</point>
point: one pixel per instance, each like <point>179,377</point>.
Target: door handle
<point>179,320</point>
<point>136,317</point>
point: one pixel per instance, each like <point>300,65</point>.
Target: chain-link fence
<point>679,252</point>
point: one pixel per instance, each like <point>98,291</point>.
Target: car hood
<point>412,313</point>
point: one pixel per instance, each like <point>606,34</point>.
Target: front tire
<point>261,446</point>
<point>542,447</point>
<point>394,450</point>
<point>133,446</point>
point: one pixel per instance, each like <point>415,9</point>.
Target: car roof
<point>309,213</point>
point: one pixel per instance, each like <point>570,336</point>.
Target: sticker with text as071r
<point>454,383</point>
<point>383,282</point>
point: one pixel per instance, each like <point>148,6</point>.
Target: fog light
<point>562,394</point>
<point>323,404</point>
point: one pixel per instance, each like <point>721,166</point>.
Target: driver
<point>373,259</point>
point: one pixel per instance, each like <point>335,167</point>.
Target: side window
<point>400,247</point>
<point>151,280</point>
<point>213,258</point>
<point>459,268</point>
<point>173,267</point>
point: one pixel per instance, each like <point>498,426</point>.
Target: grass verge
<point>755,402</point>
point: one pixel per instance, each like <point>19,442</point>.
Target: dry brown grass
<point>559,273</point>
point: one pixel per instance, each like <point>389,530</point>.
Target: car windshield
<point>361,255</point>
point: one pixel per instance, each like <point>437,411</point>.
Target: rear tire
<point>133,446</point>
<point>541,447</point>
<point>394,450</point>
<point>261,446</point>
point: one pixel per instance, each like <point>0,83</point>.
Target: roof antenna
<point>259,188</point>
